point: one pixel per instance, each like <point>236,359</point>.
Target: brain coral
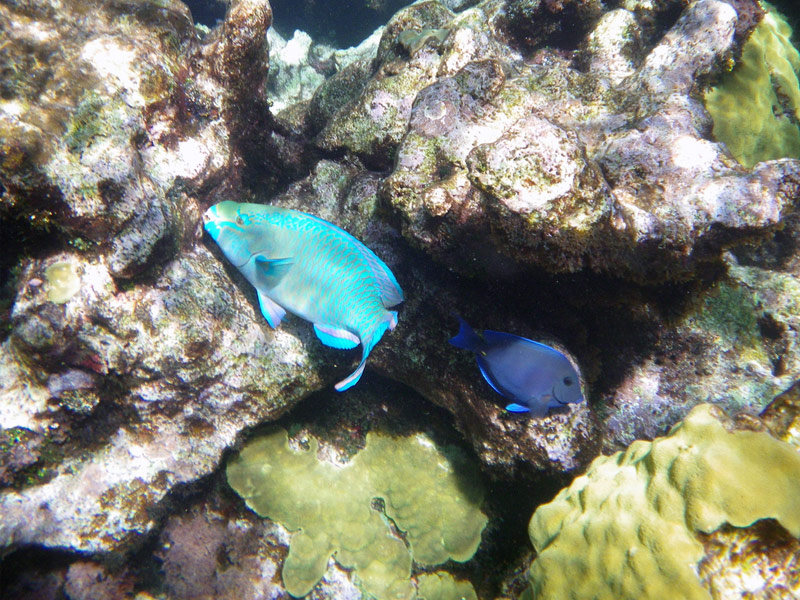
<point>431,496</point>
<point>756,108</point>
<point>629,528</point>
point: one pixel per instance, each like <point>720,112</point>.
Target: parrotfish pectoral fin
<point>269,271</point>
<point>517,408</point>
<point>272,312</point>
<point>466,338</point>
<point>336,338</point>
<point>367,344</point>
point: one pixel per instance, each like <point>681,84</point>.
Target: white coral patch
<point>115,65</point>
<point>688,152</point>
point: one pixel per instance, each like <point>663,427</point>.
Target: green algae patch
<point>430,496</point>
<point>62,281</point>
<point>756,108</point>
<point>630,527</point>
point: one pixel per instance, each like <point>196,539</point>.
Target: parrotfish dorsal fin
<point>271,270</point>
<point>390,291</point>
<point>391,294</point>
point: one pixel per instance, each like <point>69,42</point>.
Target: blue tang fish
<point>533,376</point>
<point>311,268</point>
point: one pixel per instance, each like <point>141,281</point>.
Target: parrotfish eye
<point>239,220</point>
<point>568,381</point>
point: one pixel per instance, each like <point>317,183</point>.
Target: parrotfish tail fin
<point>466,338</point>
<point>367,344</point>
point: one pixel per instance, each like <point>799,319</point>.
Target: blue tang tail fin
<point>467,338</point>
<point>367,344</point>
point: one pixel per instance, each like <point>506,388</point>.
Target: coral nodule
<point>431,496</point>
<point>757,106</point>
<point>630,527</point>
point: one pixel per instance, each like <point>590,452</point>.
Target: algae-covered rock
<point>756,108</point>
<point>433,497</point>
<point>735,345</point>
<point>630,527</point>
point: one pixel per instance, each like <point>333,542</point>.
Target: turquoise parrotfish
<point>535,377</point>
<point>311,268</point>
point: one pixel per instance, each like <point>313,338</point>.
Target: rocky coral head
<point>431,494</point>
<point>632,523</point>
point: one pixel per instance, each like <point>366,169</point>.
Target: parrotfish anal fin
<point>272,312</point>
<point>270,271</point>
<point>517,408</point>
<point>336,338</point>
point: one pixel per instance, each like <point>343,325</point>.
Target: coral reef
<point>756,108</point>
<point>629,527</point>
<point>430,496</point>
<point>546,168</point>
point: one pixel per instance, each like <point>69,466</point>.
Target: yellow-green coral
<point>627,529</point>
<point>748,114</point>
<point>443,586</point>
<point>431,496</point>
<point>62,281</point>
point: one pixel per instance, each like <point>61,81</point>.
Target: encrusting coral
<point>443,586</point>
<point>756,108</point>
<point>631,526</point>
<point>63,281</point>
<point>433,497</point>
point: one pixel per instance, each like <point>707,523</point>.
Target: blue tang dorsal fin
<point>498,337</point>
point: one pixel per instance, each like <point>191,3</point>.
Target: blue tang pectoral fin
<point>367,344</point>
<point>336,338</point>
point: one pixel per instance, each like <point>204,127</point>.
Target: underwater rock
<point>207,554</point>
<point>736,346</point>
<point>633,525</point>
<point>552,167</point>
<point>104,147</point>
<point>176,370</point>
<point>417,352</point>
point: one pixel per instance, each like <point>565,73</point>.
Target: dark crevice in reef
<point>207,12</point>
<point>23,235</point>
<point>340,23</point>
